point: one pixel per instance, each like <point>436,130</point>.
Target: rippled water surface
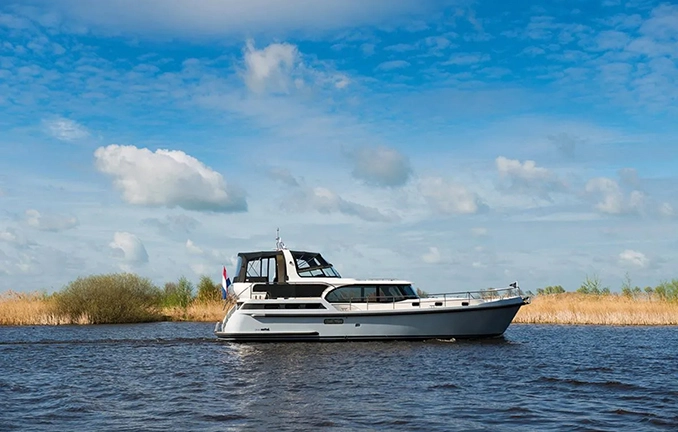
<point>177,376</point>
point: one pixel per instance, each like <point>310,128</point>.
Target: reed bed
<point>29,309</point>
<point>567,308</point>
<point>40,309</point>
<point>576,308</point>
<point>210,311</point>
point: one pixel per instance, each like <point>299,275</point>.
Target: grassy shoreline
<point>40,309</point>
<point>565,308</point>
<point>610,309</point>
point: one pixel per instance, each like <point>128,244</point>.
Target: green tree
<point>591,285</point>
<point>178,293</point>
<point>207,290</point>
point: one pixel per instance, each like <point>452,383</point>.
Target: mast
<point>279,245</point>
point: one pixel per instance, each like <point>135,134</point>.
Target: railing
<point>489,294</point>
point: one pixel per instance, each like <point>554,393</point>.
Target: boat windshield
<point>311,264</point>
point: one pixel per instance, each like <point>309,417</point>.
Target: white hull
<point>486,319</point>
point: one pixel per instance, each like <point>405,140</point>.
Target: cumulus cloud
<point>324,200</point>
<point>611,199</point>
<point>65,130</point>
<point>283,175</point>
<point>527,178</point>
<point>633,258</point>
<point>13,237</point>
<point>432,256</point>
<point>192,249</point>
<point>167,178</point>
<point>448,197</point>
<point>380,166</point>
<point>54,223</point>
<point>270,69</point>
<point>128,248</point>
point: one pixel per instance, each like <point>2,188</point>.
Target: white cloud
<point>527,177</point>
<point>270,69</point>
<point>381,166</point>
<point>325,200</point>
<point>465,59</point>
<point>666,210</point>
<point>54,223</point>
<point>11,236</point>
<point>283,175</point>
<point>432,256</point>
<point>167,177</point>
<point>393,64</point>
<point>611,198</point>
<point>65,129</point>
<point>192,249</point>
<point>128,248</point>
<point>634,258</point>
<point>448,197</point>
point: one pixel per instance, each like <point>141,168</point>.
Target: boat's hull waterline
<point>485,320</point>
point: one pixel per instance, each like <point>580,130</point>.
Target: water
<point>176,376</point>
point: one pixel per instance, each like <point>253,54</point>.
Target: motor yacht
<point>294,295</point>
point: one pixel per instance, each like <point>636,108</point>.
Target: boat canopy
<point>271,266</point>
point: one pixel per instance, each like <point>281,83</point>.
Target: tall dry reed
<point>29,309</point>
<point>575,308</point>
<point>204,311</point>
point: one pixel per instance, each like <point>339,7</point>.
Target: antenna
<point>279,245</point>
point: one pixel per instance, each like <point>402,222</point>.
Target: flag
<point>225,283</point>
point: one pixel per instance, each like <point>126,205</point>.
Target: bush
<point>109,299</point>
<point>421,293</point>
<point>177,294</point>
<point>208,291</point>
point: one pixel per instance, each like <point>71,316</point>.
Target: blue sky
<point>456,144</point>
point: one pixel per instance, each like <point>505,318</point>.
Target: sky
<point>456,144</point>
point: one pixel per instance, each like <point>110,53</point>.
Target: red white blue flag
<point>225,283</point>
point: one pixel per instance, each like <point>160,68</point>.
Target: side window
<point>345,294</point>
<point>390,293</point>
<point>261,270</point>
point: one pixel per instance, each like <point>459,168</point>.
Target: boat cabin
<point>286,274</point>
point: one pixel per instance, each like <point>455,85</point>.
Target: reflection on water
<point>177,376</point>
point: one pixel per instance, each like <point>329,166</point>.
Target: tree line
<point>666,290</point>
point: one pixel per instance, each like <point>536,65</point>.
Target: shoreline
<point>558,309</point>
